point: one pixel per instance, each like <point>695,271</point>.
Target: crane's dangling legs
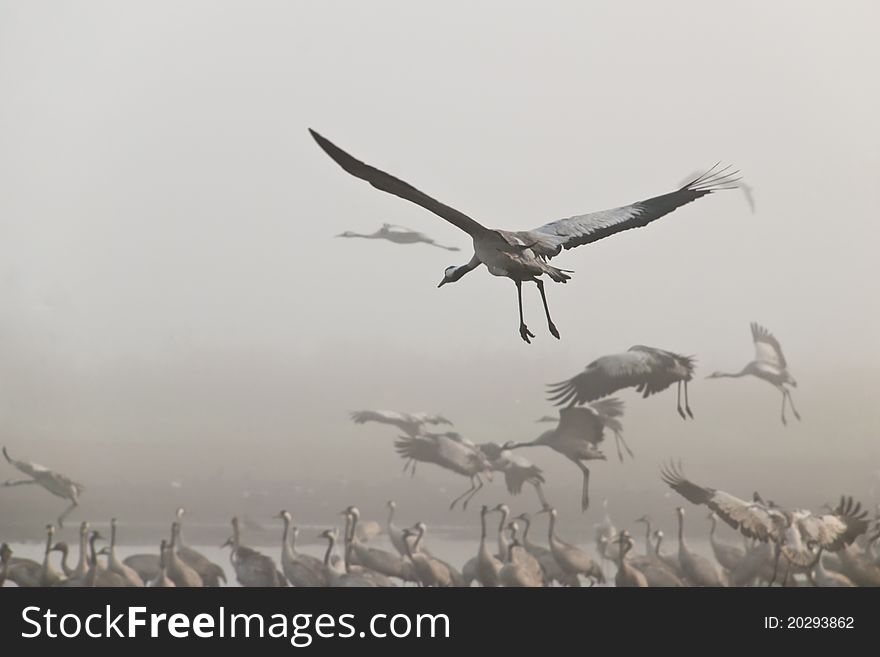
<point>687,404</point>
<point>550,325</point>
<point>618,439</point>
<point>585,494</point>
<point>680,411</point>
<point>67,511</point>
<point>475,491</point>
<point>464,494</point>
<point>524,332</point>
<point>791,403</point>
<point>784,397</point>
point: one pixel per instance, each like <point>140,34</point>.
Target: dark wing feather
<point>584,229</point>
<point>388,183</point>
<point>602,377</point>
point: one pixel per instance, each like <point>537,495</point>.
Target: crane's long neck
<point>286,550</point>
<point>527,525</point>
<point>648,538</point>
<point>81,564</point>
<point>503,542</point>
<point>418,541</point>
<point>163,560</point>
<point>49,534</point>
<point>621,554</point>
<point>731,375</point>
<point>391,510</point>
<point>65,551</point>
<point>330,543</point>
<point>113,540</point>
<point>551,530</point>
<point>657,545</point>
<point>681,543</point>
<point>482,530</point>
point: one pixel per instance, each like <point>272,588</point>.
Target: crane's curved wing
<point>579,424</point>
<point>418,449</point>
<point>431,418</point>
<point>383,417</point>
<point>838,529</point>
<point>767,347</point>
<point>26,467</point>
<point>586,228</point>
<point>752,519</point>
<point>602,377</point>
<point>388,183</point>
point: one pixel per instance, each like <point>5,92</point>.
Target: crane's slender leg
<point>475,491</point>
<point>524,332</point>
<point>791,404</point>
<point>456,500</point>
<point>70,508</point>
<point>687,404</point>
<point>20,482</point>
<point>680,411</point>
<point>784,397</point>
<point>618,439</point>
<point>540,491</point>
<point>585,494</point>
<point>550,324</point>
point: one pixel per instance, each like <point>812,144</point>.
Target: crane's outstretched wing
<point>767,347</point>
<point>383,417</point>
<point>431,418</point>
<point>26,467</point>
<point>418,449</point>
<point>586,228</point>
<point>602,377</point>
<point>388,183</point>
<point>837,529</point>
<point>752,519</point>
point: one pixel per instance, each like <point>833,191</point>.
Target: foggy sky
<point>175,306</point>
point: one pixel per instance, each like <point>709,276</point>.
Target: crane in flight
<point>54,482</point>
<point>769,365</point>
<point>647,369</point>
<point>523,256</point>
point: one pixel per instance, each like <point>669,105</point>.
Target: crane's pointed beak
<point>442,283</point>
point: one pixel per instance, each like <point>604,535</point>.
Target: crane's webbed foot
<point>525,333</point>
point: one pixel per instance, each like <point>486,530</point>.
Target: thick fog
<point>176,308</point>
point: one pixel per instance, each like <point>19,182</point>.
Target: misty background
<point>174,306</point>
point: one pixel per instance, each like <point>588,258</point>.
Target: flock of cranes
<point>587,411</point>
<point>830,548</point>
<point>779,546</point>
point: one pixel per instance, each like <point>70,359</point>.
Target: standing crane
<point>571,559</point>
<point>647,369</point>
<point>522,256</point>
<point>769,365</point>
<point>55,483</point>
